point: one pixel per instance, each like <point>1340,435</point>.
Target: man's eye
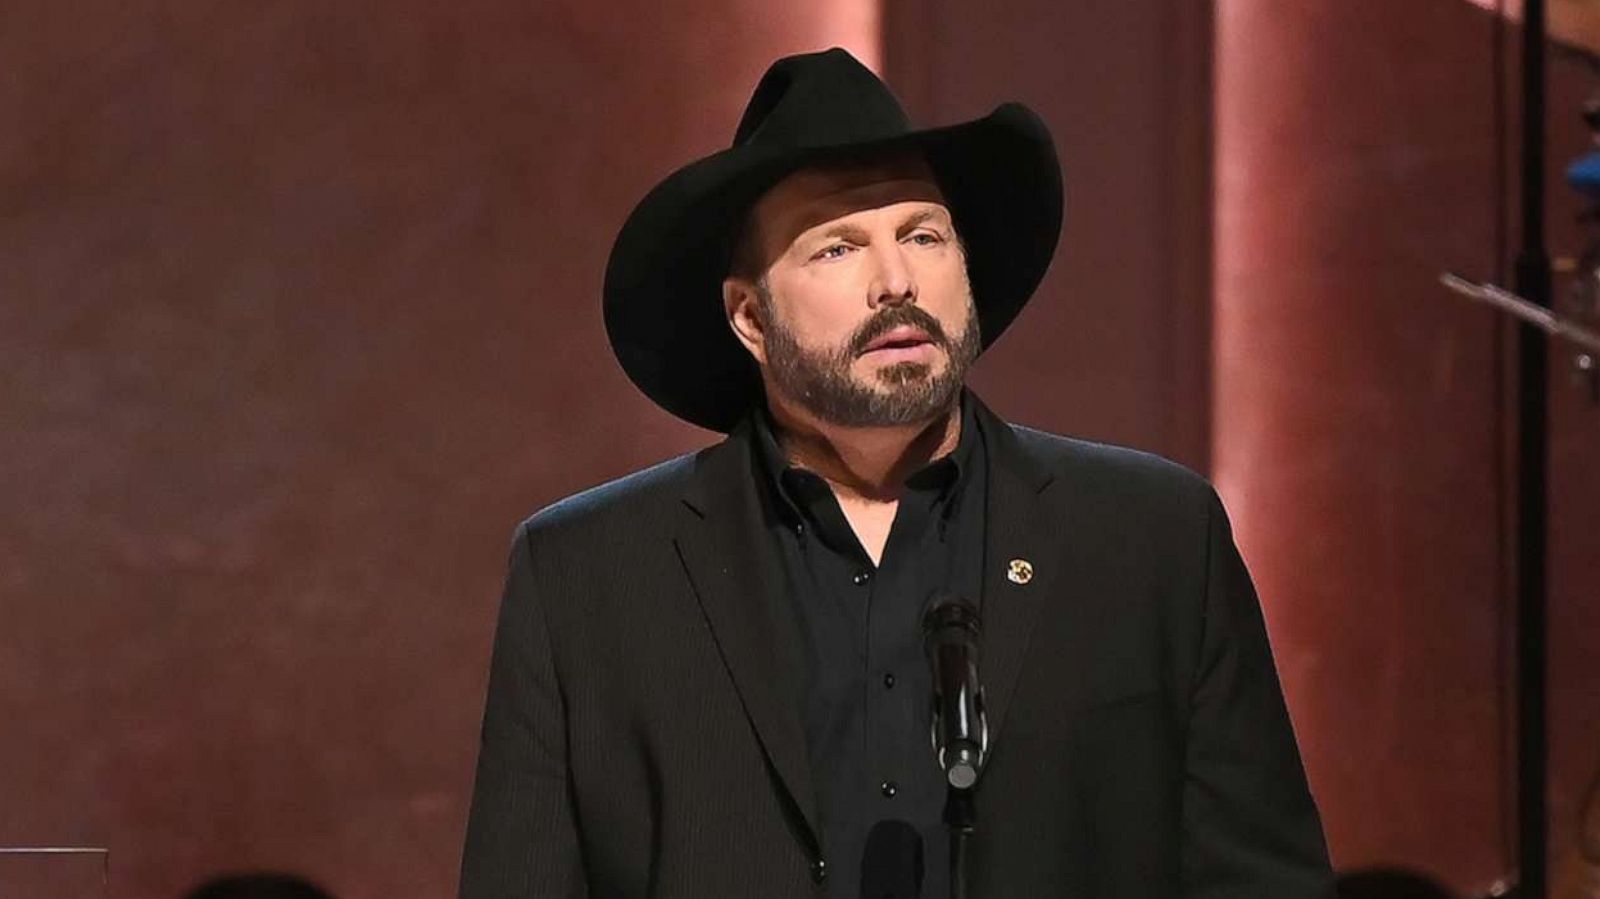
<point>833,252</point>
<point>927,238</point>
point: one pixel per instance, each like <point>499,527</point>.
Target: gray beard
<point>822,383</point>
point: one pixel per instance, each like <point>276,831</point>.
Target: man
<point>708,677</point>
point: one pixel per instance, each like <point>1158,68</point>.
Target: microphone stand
<point>1532,313</point>
<point>961,817</point>
<point>951,628</point>
<point>37,853</point>
<point>1533,282</point>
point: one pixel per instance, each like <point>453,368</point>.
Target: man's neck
<point>868,464</point>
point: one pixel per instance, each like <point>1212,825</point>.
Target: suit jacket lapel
<point>738,578</point>
<point>1018,527</point>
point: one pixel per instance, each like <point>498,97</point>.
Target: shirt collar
<point>791,482</point>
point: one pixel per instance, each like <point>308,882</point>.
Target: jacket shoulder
<point>642,495</point>
<point>1117,473</point>
<point>1063,454</point>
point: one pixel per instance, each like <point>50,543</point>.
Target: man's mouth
<point>901,338</point>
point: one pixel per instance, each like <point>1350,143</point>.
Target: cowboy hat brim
<point>663,285</point>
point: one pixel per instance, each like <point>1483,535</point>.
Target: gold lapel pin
<point>1019,571</point>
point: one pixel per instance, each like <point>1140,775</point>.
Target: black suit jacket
<point>642,735</point>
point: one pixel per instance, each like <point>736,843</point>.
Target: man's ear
<point>741,305</point>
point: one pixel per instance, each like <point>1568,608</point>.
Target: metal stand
<point>1531,313</point>
<point>961,817</point>
<point>1533,282</point>
<point>1534,308</point>
<point>101,852</point>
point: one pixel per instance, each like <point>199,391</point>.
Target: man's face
<point>864,315</point>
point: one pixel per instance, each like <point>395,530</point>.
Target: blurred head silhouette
<point>258,885</point>
<point>1389,883</point>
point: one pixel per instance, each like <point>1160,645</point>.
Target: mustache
<point>895,317</point>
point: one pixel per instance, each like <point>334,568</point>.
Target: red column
<point>1356,429</point>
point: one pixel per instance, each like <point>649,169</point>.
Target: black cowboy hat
<point>663,289</point>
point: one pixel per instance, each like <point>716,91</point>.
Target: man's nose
<point>893,282</point>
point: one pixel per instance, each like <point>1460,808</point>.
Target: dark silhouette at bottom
<point>1389,883</point>
<point>258,885</point>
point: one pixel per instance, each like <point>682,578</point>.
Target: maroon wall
<point>1362,420</point>
<point>298,315</point>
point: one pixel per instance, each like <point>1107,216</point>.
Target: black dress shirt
<point>868,689</point>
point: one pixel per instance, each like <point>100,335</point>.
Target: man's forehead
<point>817,195</point>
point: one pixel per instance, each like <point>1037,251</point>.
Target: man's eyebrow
<point>855,233</point>
<point>846,231</point>
<point>918,218</point>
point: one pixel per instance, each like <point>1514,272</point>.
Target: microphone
<point>950,632</point>
<point>891,863</point>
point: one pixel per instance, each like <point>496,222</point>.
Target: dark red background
<point>299,315</point>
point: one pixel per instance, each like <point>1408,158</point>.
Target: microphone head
<point>962,764</point>
<point>947,610</point>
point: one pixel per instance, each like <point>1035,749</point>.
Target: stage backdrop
<point>299,315</point>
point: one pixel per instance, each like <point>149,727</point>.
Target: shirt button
<point>819,871</point>
<point>888,680</point>
<point>800,529</point>
<point>862,577</point>
<point>888,788</point>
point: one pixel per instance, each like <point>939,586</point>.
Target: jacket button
<point>819,871</point>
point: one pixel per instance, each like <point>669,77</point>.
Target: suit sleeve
<point>1250,828</point>
<point>521,838</point>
